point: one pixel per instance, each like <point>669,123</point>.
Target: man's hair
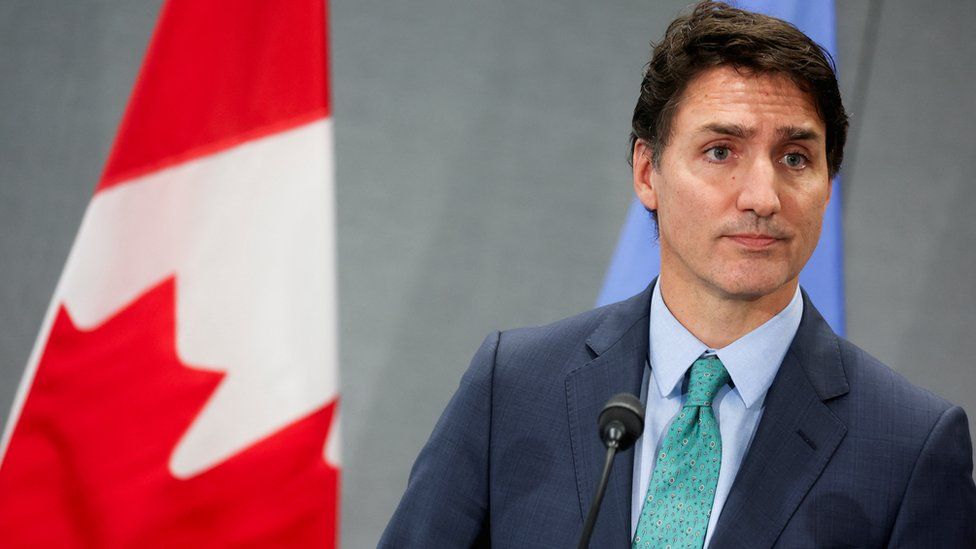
<point>716,34</point>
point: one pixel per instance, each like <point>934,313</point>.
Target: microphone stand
<point>614,433</point>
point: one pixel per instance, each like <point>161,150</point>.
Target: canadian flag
<point>182,391</point>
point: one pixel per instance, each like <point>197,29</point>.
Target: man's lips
<point>754,241</point>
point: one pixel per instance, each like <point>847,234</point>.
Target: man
<point>763,428</point>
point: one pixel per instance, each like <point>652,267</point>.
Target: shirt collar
<point>752,360</point>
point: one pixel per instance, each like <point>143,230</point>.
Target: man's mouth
<point>754,241</point>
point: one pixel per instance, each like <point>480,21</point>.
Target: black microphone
<point>621,424</point>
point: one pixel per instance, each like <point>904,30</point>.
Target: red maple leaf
<point>87,462</point>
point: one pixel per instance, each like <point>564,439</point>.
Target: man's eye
<point>718,154</point>
<point>795,160</point>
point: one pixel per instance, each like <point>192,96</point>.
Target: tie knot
<point>708,375</point>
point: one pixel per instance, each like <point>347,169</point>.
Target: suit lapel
<point>620,346</point>
<point>795,440</point>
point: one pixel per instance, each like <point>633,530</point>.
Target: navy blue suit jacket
<point>847,454</point>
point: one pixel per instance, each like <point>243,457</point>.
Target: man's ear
<point>645,177</point>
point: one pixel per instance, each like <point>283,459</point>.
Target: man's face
<point>742,186</point>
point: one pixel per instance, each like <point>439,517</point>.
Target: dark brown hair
<point>715,34</point>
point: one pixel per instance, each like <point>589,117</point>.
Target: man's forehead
<point>740,102</point>
<point>731,78</point>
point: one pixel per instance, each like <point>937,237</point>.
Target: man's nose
<point>758,191</point>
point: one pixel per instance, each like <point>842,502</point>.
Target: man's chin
<point>752,288</point>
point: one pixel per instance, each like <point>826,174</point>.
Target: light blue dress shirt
<point>752,362</point>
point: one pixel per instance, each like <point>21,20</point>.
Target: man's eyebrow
<point>787,133</point>
<point>796,133</point>
<point>732,130</point>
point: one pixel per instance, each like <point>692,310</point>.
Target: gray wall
<point>482,180</point>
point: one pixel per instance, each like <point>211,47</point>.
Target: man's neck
<point>718,320</point>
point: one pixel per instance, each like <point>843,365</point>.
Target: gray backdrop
<point>482,180</point>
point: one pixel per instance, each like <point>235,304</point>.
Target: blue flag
<point>637,259</point>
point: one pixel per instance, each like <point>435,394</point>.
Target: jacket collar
<point>620,320</point>
<point>817,349</point>
<point>619,349</point>
<point>795,440</point>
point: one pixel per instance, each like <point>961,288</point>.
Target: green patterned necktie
<point>679,496</point>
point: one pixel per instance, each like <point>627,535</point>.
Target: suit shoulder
<point>873,379</point>
<point>565,336</point>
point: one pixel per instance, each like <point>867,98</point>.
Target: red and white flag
<point>182,391</point>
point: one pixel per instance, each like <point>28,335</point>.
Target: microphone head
<point>622,421</point>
